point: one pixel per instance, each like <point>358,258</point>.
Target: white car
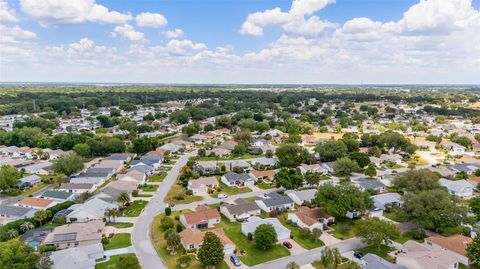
<point>222,196</point>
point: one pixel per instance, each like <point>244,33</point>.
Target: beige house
<point>201,185</point>
<point>76,234</point>
<point>192,238</point>
<point>203,218</point>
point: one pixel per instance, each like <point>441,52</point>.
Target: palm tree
<point>317,233</point>
<point>12,233</point>
<point>292,265</point>
<point>173,241</point>
<point>107,214</point>
<point>26,226</point>
<point>115,213</point>
<point>351,265</point>
<point>123,198</point>
<point>331,258</point>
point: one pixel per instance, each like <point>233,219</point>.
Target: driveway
<point>329,239</point>
<point>144,249</point>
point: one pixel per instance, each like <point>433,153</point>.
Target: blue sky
<point>241,41</point>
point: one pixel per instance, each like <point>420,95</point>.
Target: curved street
<point>142,244</point>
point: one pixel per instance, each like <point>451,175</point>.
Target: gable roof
<point>202,215</point>
<point>56,194</point>
<point>233,177</point>
<point>241,208</point>
<point>275,199</point>
<point>311,216</point>
<point>456,243</point>
<point>35,202</point>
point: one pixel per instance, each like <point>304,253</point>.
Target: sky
<point>241,41</point>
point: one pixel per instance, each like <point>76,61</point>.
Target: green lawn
<point>111,264</point>
<point>306,241</point>
<point>134,209</point>
<point>243,156</point>
<point>120,224</point>
<point>156,178</point>
<point>395,215</point>
<point>253,255</point>
<point>120,240</point>
<point>231,190</point>
<point>407,236</point>
<point>344,229</point>
<point>148,187</point>
<point>382,252</point>
<point>33,189</point>
<point>177,191</point>
<point>265,186</point>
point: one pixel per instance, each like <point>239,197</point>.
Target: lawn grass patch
<point>135,208</point>
<point>111,264</point>
<point>176,192</point>
<point>265,186</point>
<point>148,187</point>
<point>156,178</point>
<point>230,190</point>
<point>381,251</point>
<point>121,240</point>
<point>344,229</point>
<point>396,215</point>
<point>253,255</point>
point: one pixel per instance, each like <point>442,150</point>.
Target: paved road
<point>311,256</point>
<point>144,249</point>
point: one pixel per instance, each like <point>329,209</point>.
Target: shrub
<point>179,227</point>
<point>44,248</point>
<point>168,211</point>
<point>418,234</point>
<point>105,240</point>
<point>250,236</point>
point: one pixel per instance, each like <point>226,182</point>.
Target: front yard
<point>252,255</point>
<point>157,178</point>
<point>113,263</point>
<point>135,208</point>
<point>307,241</point>
<point>161,246</point>
<point>344,229</point>
<point>148,187</point>
<point>177,195</point>
<point>230,190</point>
<point>120,240</point>
<point>381,252</point>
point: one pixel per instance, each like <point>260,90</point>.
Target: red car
<point>287,244</point>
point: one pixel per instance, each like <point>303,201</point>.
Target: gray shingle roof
<point>275,199</point>
<point>234,177</point>
<point>57,194</point>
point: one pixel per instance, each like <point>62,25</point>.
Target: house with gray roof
<point>93,209</point>
<point>275,202</point>
<point>146,169</point>
<point>461,167</point>
<point>460,188</point>
<point>16,212</point>
<point>369,184</point>
<point>28,181</point>
<point>58,196</point>
<point>239,180</point>
<point>373,261</point>
<point>241,210</point>
<point>301,197</point>
<point>94,175</point>
<point>252,223</point>
<point>83,257</point>
<point>269,162</point>
<point>383,201</point>
<point>125,157</point>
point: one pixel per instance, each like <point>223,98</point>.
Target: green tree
<point>44,262</point>
<point>371,171</point>
<point>434,209</point>
<point>42,215</point>
<point>416,180</point>
<point>68,165</point>
<point>289,178</point>
<point>82,149</point>
<point>473,250</point>
<point>376,232</point>
<point>24,227</point>
<point>123,198</point>
<point>331,150</point>
<point>173,241</point>
<point>292,155</point>
<point>265,236</point>
<point>166,223</point>
<point>142,145</point>
<point>313,178</point>
<point>340,199</point>
<point>17,255</point>
<point>292,265</point>
<point>361,158</point>
<point>211,251</point>
<point>344,167</point>
<point>474,204</point>
<point>105,121</point>
<point>9,177</point>
<point>331,258</point>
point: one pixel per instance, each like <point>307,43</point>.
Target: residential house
<point>455,244</point>
<point>35,237</point>
<point>461,167</point>
<point>58,196</point>
<point>301,197</point>
<point>312,168</point>
<point>173,148</point>
<point>115,189</point>
<point>311,218</point>
<point>275,202</point>
<point>57,153</point>
<point>328,167</point>
<point>202,218</point>
<point>460,188</point>
<point>218,152</point>
<point>391,158</point>
<point>201,185</point>
<point>36,203</point>
<point>77,188</point>
<point>93,209</point>
<point>370,184</point>
<point>414,255</point>
<point>28,181</point>
<point>265,162</point>
<point>260,142</point>
<point>134,176</point>
<point>454,148</point>
<point>373,261</point>
<point>206,167</point>
<point>94,175</point>
<point>240,180</point>
<point>192,238</point>
<point>114,164</point>
<point>124,157</point>
<point>383,201</point>
<point>12,213</point>
<point>240,163</point>
<point>265,175</point>
<point>143,168</point>
<point>76,234</point>
<point>198,138</point>
<point>83,257</point>
<point>39,168</point>
<point>252,223</point>
<point>241,210</point>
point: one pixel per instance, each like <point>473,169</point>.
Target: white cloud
<point>293,21</point>
<point>6,14</point>
<point>15,34</point>
<point>147,19</point>
<point>127,32</point>
<point>182,46</point>
<point>176,33</point>
<point>48,12</point>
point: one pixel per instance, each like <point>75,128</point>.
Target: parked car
<point>358,254</point>
<point>222,196</point>
<point>235,260</point>
<point>287,244</point>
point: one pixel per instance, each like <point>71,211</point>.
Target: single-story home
<point>253,222</point>
<point>235,179</point>
<point>460,188</point>
<point>192,238</point>
<point>301,197</point>
<point>28,181</point>
<point>75,234</point>
<point>83,257</point>
<point>241,210</point>
<point>203,218</point>
<point>202,184</point>
<point>275,202</point>
<point>77,188</point>
<point>311,218</point>
<point>93,209</point>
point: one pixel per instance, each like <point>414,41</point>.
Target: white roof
<point>253,222</point>
<point>94,207</point>
<point>380,200</point>
<point>77,258</point>
<point>456,185</point>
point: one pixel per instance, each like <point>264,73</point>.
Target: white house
<point>253,222</point>
<point>311,218</point>
<point>300,197</point>
<point>460,188</point>
<point>201,185</point>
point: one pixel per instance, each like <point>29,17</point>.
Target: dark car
<point>235,260</point>
<point>287,244</point>
<point>358,254</point>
